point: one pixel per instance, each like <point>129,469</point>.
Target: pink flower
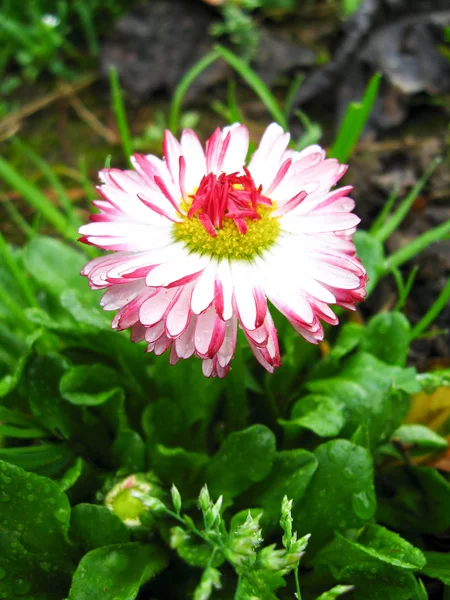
<point>200,243</point>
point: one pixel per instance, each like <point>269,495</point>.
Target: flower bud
<point>176,499</point>
<point>134,495</point>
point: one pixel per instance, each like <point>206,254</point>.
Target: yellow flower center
<point>229,242</point>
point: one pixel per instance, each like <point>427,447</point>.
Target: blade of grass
<point>255,82</point>
<point>37,200</point>
<point>432,313</point>
<point>385,231</point>
<point>233,106</point>
<point>385,211</point>
<point>120,114</point>
<point>354,121</point>
<point>85,181</point>
<point>88,26</point>
<point>312,134</point>
<point>18,220</point>
<point>405,288</point>
<point>52,178</point>
<point>185,83</point>
<point>416,246</point>
<point>292,90</point>
<point>407,203</point>
<point>11,264</point>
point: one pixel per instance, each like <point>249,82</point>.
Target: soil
<point>409,129</point>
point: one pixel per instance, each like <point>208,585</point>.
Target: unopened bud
<point>204,499</point>
<point>132,496</point>
<point>176,499</point>
<point>177,537</point>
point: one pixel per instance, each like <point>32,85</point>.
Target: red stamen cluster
<point>227,196</point>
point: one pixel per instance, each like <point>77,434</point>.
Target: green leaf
<point>42,376</point>
<point>129,452</point>
<point>37,513</point>
<point>85,312</point>
<point>21,432</point>
<point>45,459</point>
<point>417,499</point>
<point>334,593</point>
<point>389,547</point>
<point>54,264</point>
<point>89,385</point>
<point>259,584</point>
<point>321,414</point>
<point>25,575</point>
<point>387,337</point>
<point>94,526</point>
<point>116,572</point>
<point>380,566</point>
<point>438,566</point>
<point>419,437</point>
<point>244,458</point>
<point>340,495</point>
<point>369,392</point>
<point>178,466</point>
<point>291,473</point>
<point>371,254</point>
<point>72,475</point>
<point>348,338</point>
<point>196,552</point>
<point>162,422</point>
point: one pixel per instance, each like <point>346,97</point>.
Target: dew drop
<point>21,586</point>
<point>361,505</point>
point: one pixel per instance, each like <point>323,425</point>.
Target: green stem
<point>384,232</point>
<point>120,114</point>
<point>297,584</point>
<point>430,316</point>
<point>420,243</point>
<point>184,85</point>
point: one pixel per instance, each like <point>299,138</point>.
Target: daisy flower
<point>200,242</point>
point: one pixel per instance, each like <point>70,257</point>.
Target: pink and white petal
<point>155,332</point>
<point>117,296</point>
<point>226,351</point>
<point>236,153</point>
<point>172,153</point>
<point>154,309</point>
<point>244,298</point>
<point>178,316</point>
<point>184,344</point>
<point>194,156</point>
<point>203,294</point>
<point>209,333</point>
<point>213,149</point>
<point>161,345</point>
<point>137,332</point>
<point>223,291</point>
<point>177,272</point>
<point>319,223</point>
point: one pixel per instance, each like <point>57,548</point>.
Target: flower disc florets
<point>228,218</point>
<point>200,241</point>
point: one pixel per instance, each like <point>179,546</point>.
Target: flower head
<point>200,243</point>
